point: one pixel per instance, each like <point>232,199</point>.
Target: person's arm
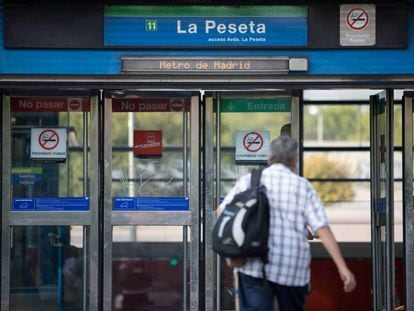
<point>328,240</point>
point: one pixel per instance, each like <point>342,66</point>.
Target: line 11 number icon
<point>151,25</point>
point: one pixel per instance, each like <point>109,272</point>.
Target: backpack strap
<point>255,183</point>
<point>255,177</point>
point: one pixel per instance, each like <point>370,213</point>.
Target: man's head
<point>284,150</point>
<point>285,130</point>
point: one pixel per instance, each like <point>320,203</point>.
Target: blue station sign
<point>150,204</point>
<point>206,26</point>
<point>51,204</point>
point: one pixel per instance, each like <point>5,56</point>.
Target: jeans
<point>257,295</point>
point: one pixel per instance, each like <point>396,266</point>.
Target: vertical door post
<point>408,209</point>
<point>5,204</point>
<point>107,205</point>
<point>389,227</point>
<point>210,262</point>
<point>195,202</point>
<point>382,200</point>
<point>94,206</point>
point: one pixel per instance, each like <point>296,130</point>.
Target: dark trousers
<point>255,295</point>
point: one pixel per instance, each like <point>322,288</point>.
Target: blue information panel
<point>51,204</point>
<point>151,204</point>
<point>257,31</point>
<point>206,26</point>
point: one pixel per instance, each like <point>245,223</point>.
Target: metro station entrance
<point>112,182</point>
<point>109,196</point>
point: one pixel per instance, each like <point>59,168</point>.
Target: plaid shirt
<point>294,205</point>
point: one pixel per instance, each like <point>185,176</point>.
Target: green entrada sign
<point>281,104</point>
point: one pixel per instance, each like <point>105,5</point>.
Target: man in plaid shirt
<point>294,206</point>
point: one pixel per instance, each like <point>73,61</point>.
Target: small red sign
<point>75,104</point>
<point>147,144</point>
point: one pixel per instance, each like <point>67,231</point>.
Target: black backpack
<point>242,228</point>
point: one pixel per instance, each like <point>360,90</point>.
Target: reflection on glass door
<point>47,268</point>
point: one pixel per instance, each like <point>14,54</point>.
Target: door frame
<point>212,175</point>
<point>95,167</point>
<point>189,220</point>
<point>408,200</point>
<point>382,199</point>
<point>87,219</point>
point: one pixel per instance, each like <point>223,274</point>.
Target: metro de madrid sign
<point>206,26</point>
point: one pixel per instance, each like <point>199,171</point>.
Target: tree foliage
<point>321,167</point>
<point>348,123</point>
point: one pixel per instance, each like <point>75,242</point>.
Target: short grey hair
<point>283,149</point>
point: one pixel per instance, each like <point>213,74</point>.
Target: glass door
<point>49,202</point>
<point>408,207</point>
<point>382,200</point>
<point>151,201</point>
<point>238,129</point>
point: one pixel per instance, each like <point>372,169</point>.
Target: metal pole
<point>107,204</point>
<point>374,137</point>
<point>6,204</point>
<point>209,203</point>
<point>185,194</point>
<point>131,171</point>
<point>195,202</point>
<point>218,178</point>
<point>85,193</point>
<point>408,211</point>
<point>94,184</point>
<point>390,249</point>
<point>294,125</point>
<point>59,269</point>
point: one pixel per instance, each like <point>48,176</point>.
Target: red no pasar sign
<point>166,104</point>
<point>148,144</point>
<point>50,104</point>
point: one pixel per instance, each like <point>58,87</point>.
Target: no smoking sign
<point>48,144</point>
<point>253,141</point>
<point>252,147</point>
<point>357,25</point>
<point>48,139</point>
<point>357,19</point>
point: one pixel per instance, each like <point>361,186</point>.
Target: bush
<point>320,167</point>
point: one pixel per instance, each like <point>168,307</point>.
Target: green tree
<point>339,122</point>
